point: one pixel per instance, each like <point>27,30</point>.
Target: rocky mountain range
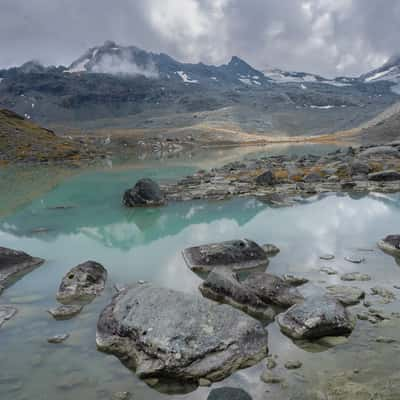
<point>125,87</point>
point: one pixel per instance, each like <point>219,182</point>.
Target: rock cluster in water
<point>284,179</point>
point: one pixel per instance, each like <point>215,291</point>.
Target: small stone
<point>204,382</point>
<point>387,295</point>
<point>121,396</point>
<point>355,259</point>
<point>327,257</point>
<point>384,339</point>
<point>293,364</point>
<point>58,338</point>
<point>6,313</point>
<point>152,382</point>
<point>268,377</point>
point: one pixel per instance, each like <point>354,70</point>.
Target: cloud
<point>330,37</point>
<point>122,64</point>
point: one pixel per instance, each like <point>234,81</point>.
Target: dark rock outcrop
<point>236,255</point>
<point>14,265</point>
<point>146,193</point>
<point>391,245</point>
<point>272,289</point>
<point>82,283</point>
<point>266,179</point>
<point>384,176</point>
<point>316,317</point>
<point>228,393</point>
<point>165,333</point>
<point>223,285</point>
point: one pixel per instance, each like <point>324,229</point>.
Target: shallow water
<point>146,244</point>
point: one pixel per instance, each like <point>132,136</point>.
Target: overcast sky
<point>329,37</point>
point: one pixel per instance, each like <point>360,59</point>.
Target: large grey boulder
<point>384,176</point>
<point>82,283</point>
<point>316,317</point>
<point>391,245</point>
<point>164,333</point>
<point>236,255</point>
<point>224,286</point>
<point>146,193</point>
<point>272,289</point>
<point>14,265</point>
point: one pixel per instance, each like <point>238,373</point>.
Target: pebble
<point>269,377</point>
<point>327,257</point>
<point>293,364</point>
<point>58,338</point>
<point>355,259</point>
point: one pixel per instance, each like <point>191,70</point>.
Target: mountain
<point>126,87</point>
<point>390,71</point>
<point>111,58</point>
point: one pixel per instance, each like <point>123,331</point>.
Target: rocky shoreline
<point>284,179</point>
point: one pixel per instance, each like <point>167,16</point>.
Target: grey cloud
<point>330,37</point>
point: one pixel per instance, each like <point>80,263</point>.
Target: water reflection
<point>147,244</point>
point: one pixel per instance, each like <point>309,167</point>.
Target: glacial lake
<point>146,244</point>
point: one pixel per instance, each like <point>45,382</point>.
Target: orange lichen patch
<point>375,166</point>
<point>281,174</point>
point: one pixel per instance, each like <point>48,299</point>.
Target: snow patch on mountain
<point>185,77</point>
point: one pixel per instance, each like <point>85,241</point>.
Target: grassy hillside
<point>22,140</point>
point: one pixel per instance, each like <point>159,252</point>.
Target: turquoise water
<point>146,244</point>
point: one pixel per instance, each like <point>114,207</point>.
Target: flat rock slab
<point>65,311</point>
<point>82,283</point>
<point>165,333</point>
<point>6,313</point>
<point>391,245</point>
<point>384,176</point>
<point>272,289</point>
<point>57,339</point>
<point>223,285</point>
<point>316,317</point>
<point>347,295</point>
<point>236,254</point>
<point>228,393</point>
<point>14,265</point>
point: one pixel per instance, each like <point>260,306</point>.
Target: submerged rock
<point>146,193</point>
<point>293,364</point>
<point>347,295</point>
<point>294,280</point>
<point>6,313</point>
<point>82,283</point>
<point>65,311</point>
<point>272,289</point>
<point>391,245</point>
<point>236,255</point>
<point>224,286</point>
<point>228,393</point>
<point>169,334</point>
<point>316,317</point>
<point>14,265</point>
<point>355,276</point>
